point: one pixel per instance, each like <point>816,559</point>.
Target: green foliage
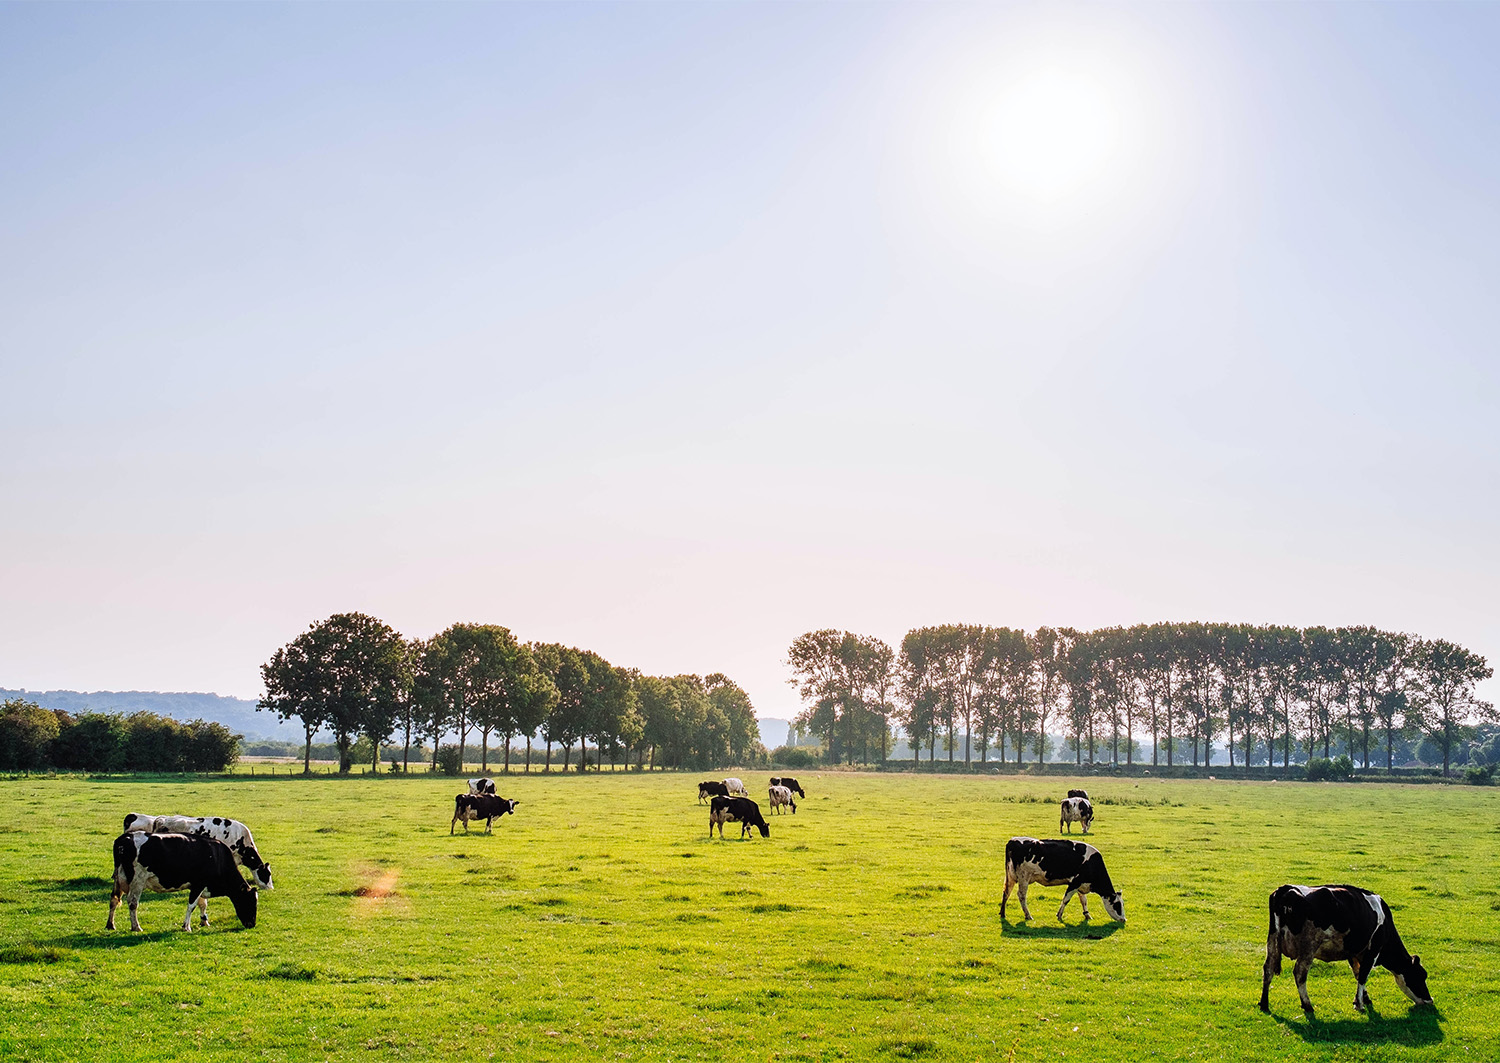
<point>450,760</point>
<point>878,934</point>
<point>794,757</point>
<point>26,734</point>
<point>1340,769</point>
<point>1477,775</point>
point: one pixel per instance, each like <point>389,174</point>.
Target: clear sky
<point>673,331</point>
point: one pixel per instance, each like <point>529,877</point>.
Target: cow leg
<point>133,900</point>
<point>1021,896</point>
<point>1361,994</point>
<point>196,893</point>
<point>487,824</point>
<point>1299,974</point>
<point>1083,899</point>
<point>203,908</point>
<point>114,902</point>
<point>1068,896</point>
<point>1271,969</point>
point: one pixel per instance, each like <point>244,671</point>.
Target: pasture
<point>600,922</point>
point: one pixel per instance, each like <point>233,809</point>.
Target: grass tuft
<point>29,953</point>
<point>292,972</point>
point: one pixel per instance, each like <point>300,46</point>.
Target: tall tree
<point>345,673</point>
<point>1446,676</point>
<point>482,674</point>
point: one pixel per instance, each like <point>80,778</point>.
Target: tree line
<point>356,676</point>
<point>33,738</point>
<point>1263,691</point>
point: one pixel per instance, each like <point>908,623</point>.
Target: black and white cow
<point>1058,862</point>
<point>790,783</point>
<point>1076,810</point>
<point>231,832</point>
<point>487,807</point>
<point>1079,793</point>
<point>165,863</point>
<point>481,786</point>
<point>739,810</point>
<point>735,786</point>
<point>782,798</point>
<point>711,789</point>
<point>1337,923</point>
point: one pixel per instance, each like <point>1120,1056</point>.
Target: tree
<point>742,730</point>
<point>1446,675</point>
<point>482,674</point>
<point>345,673</point>
<point>917,686</point>
<point>566,722</point>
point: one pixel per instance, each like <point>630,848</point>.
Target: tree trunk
<point>507,754</point>
<point>484,751</point>
<point>307,751</point>
<point>548,766</point>
<point>528,754</point>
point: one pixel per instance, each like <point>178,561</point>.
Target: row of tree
<point>33,738</point>
<point>1259,691</point>
<point>356,676</point>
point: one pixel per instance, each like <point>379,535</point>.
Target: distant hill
<point>237,714</point>
<point>773,732</point>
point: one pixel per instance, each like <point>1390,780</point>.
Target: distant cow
<point>781,797</point>
<point>711,789</point>
<point>1058,862</point>
<point>165,863</point>
<point>1076,810</point>
<point>1337,923</point>
<point>739,810</point>
<point>1079,793</point>
<point>487,807</point>
<point>481,786</point>
<point>790,783</point>
<point>734,786</point>
<point>231,832</point>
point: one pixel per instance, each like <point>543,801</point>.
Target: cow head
<point>1414,982</point>
<point>1114,904</point>
<point>510,807</point>
<point>765,829</point>
<point>245,905</point>
<point>262,876</point>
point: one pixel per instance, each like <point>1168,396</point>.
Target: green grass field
<point>600,922</point>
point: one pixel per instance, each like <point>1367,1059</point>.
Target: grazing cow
<point>481,786</point>
<point>165,863</point>
<point>1056,862</point>
<point>711,789</point>
<point>1079,793</point>
<point>231,832</point>
<point>739,810</point>
<point>1076,810</point>
<point>734,786</point>
<point>790,783</point>
<point>487,807</point>
<point>782,797</point>
<point>1337,923</point>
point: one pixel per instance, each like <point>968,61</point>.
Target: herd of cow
<point>204,855</point>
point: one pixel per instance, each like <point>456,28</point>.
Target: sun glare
<point>1052,133</point>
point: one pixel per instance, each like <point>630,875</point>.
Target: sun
<point>1052,132</point>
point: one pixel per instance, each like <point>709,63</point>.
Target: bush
<point>448,760</point>
<point>27,732</point>
<point>1340,769</point>
<point>1480,776</point>
<point>794,757</point>
<point>94,741</point>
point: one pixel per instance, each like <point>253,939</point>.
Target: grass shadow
<point>1420,1025</point>
<point>1060,931</point>
<point>82,884</point>
<point>111,939</point>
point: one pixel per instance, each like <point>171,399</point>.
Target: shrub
<point>1480,776</point>
<point>27,732</point>
<point>448,760</point>
<point>1340,769</point>
<point>794,757</point>
<point>94,741</point>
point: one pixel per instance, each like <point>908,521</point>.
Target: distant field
<point>601,922</point>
